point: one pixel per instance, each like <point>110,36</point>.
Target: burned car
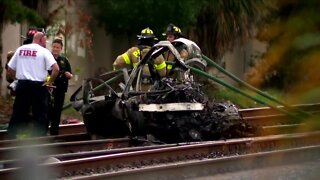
<point>171,109</point>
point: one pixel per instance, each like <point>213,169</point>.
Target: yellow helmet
<point>146,33</point>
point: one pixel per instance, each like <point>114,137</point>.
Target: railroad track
<point>80,143</point>
<point>119,164</point>
<point>263,116</point>
<point>74,144</point>
<point>270,123</point>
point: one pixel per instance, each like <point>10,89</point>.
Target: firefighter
<point>187,49</point>
<point>28,40</point>
<point>29,65</point>
<point>172,33</point>
<point>132,56</point>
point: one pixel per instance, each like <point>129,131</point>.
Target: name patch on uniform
<point>27,53</point>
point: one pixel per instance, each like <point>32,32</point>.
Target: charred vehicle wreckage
<point>171,109</point>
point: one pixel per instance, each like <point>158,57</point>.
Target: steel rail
<point>7,153</point>
<point>77,155</point>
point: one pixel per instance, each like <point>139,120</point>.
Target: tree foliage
<point>15,11</point>
<point>129,17</point>
<point>222,24</point>
<point>216,25</point>
<point>291,62</point>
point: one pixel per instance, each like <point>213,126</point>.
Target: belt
<point>30,81</point>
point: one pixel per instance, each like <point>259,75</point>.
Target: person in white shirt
<point>30,64</point>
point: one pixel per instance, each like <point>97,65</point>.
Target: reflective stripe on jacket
<point>131,58</point>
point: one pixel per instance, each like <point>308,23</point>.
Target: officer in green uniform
<point>61,83</point>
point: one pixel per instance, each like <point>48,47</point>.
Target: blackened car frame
<point>171,109</point>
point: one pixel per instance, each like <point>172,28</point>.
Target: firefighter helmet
<point>146,33</point>
<point>174,30</point>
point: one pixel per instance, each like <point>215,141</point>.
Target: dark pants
<point>55,108</point>
<point>30,96</point>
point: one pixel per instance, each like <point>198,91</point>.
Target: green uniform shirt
<point>61,82</point>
